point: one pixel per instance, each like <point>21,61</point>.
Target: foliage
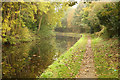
<point>96,15</point>
<point>89,16</point>
<point>70,17</point>
<point>64,19</point>
<point>78,18</point>
<point>109,17</point>
<point>14,27</point>
<point>20,19</point>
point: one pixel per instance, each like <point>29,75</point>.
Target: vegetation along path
<point>87,68</point>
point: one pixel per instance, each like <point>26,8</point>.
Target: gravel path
<point>87,69</point>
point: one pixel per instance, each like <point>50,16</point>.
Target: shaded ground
<point>87,68</point>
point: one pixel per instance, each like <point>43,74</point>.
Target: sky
<point>75,6</point>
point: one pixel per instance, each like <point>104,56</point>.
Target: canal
<point>29,60</point>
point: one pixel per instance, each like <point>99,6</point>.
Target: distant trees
<point>101,18</point>
<point>77,18</point>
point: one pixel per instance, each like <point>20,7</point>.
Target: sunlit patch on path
<point>87,68</point>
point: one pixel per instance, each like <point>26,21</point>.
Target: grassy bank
<point>68,64</point>
<point>105,57</point>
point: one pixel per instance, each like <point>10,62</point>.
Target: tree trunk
<point>9,13</point>
<point>39,23</point>
<point>20,14</point>
<point>16,19</point>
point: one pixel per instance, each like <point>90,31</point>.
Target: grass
<point>105,57</point>
<point>68,64</point>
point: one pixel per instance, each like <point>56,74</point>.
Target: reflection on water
<point>29,60</point>
<point>65,42</point>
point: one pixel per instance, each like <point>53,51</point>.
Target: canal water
<point>29,60</point>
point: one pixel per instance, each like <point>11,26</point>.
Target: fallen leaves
<point>106,58</point>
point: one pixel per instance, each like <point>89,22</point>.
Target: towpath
<point>87,69</point>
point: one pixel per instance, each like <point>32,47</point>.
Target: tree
<point>21,18</point>
<point>109,17</point>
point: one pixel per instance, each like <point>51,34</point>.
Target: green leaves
<point>96,14</point>
<point>19,17</point>
<point>108,17</point>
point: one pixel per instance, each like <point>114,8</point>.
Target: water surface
<point>29,60</point>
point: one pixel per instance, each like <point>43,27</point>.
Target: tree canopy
<point>101,18</point>
<point>20,19</point>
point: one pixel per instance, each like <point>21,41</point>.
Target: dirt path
<point>87,69</point>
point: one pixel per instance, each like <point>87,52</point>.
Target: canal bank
<point>68,64</point>
<point>104,53</point>
<point>30,59</point>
